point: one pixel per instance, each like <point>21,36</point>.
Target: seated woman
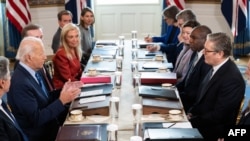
<point>87,20</point>
<point>67,59</point>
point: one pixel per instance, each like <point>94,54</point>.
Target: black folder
<point>152,66</point>
<point>105,88</point>
<point>143,54</point>
<point>157,92</point>
<point>95,132</point>
<point>174,134</point>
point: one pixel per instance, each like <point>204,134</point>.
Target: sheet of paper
<point>92,99</point>
<point>177,125</point>
<point>91,93</point>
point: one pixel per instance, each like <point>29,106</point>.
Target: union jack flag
<point>235,13</point>
<point>75,7</point>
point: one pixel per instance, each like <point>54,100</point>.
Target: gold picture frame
<point>45,3</point>
<point>203,1</point>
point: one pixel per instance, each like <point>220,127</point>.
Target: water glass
<point>137,80</point>
<point>134,43</point>
<point>136,108</point>
<point>114,107</point>
<point>120,50</point>
<point>134,34</point>
<point>136,138</point>
<point>112,130</point>
<point>134,53</point>
<point>119,62</point>
<point>121,40</point>
<point>118,79</point>
<point>134,66</point>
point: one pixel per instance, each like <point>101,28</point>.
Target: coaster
<point>75,120</point>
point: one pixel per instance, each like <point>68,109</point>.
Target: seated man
<point>35,109</point>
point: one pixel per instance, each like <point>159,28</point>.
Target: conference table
<point>128,96</point>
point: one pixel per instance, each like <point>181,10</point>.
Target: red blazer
<point>65,69</point>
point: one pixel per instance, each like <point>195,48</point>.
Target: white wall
<point>111,21</point>
<point>47,18</point>
<point>210,15</point>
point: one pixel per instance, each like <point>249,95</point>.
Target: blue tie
<point>25,138</point>
<point>41,83</point>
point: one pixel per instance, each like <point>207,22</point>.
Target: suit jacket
<point>182,68</point>
<point>189,86</point>
<point>170,37</point>
<point>218,106</point>
<point>54,92</point>
<point>8,131</point>
<point>56,40</point>
<point>172,51</point>
<point>65,69</point>
<point>35,113</point>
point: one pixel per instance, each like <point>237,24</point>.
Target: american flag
<point>235,13</point>
<point>179,3</point>
<point>75,7</point>
<point>18,13</point>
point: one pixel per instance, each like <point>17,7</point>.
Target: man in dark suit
<point>9,129</point>
<point>64,17</point>
<point>197,69</point>
<point>221,92</point>
<point>35,110</point>
<point>35,30</point>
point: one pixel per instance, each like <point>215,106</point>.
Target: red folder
<point>96,79</point>
<point>158,78</point>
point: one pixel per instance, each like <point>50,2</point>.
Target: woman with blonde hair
<point>67,59</point>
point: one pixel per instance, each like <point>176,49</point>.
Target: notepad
<point>92,99</point>
<point>89,93</point>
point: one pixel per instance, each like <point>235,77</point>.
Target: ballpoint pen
<point>171,125</point>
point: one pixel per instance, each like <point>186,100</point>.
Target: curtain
<point>75,7</point>
<point>236,13</point>
<point>241,45</point>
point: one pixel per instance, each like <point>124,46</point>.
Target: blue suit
<point>170,43</point>
<point>35,113</point>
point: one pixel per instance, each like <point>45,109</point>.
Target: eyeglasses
<point>207,51</point>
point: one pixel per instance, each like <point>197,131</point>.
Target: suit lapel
<point>33,81</point>
<point>214,78</point>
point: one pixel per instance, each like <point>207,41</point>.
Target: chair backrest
<point>49,67</point>
<point>240,110</point>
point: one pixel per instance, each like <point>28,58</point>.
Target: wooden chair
<point>49,67</point>
<point>240,110</point>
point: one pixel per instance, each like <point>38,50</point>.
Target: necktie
<point>47,80</point>
<point>41,83</point>
<point>192,65</point>
<point>204,83</point>
<point>6,110</point>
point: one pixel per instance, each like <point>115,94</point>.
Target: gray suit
<point>56,40</point>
